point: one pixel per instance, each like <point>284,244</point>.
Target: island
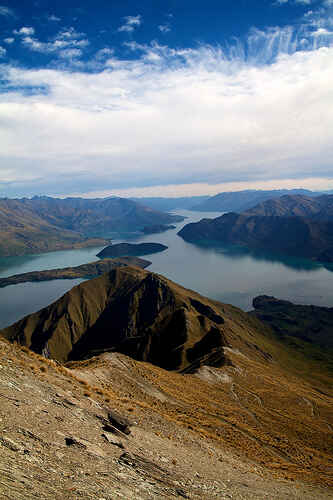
<point>90,270</point>
<point>157,228</point>
<point>131,249</point>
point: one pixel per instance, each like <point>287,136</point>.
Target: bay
<point>230,275</point>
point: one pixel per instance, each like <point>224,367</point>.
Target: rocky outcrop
<point>294,236</point>
<point>131,249</point>
<point>312,324</point>
<point>89,270</point>
<point>131,311</point>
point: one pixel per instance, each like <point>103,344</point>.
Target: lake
<point>230,275</point>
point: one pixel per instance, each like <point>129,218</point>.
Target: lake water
<point>229,275</point>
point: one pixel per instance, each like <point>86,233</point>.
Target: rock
<point>10,444</point>
<point>71,441</point>
<point>112,440</point>
<point>119,422</point>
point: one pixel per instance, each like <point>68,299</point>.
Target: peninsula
<point>90,270</point>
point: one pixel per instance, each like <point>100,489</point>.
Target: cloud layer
<point>250,115</point>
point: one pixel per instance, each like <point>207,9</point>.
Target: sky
<point>165,97</point>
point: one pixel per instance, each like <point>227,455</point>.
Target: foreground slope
<point>190,437</point>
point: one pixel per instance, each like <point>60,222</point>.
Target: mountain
<point>166,204</point>
<point>131,311</point>
<point>240,411</point>
<point>89,270</point>
<point>43,224</point>
<point>23,231</point>
<point>294,236</point>
<point>318,208</point>
<point>131,249</point>
<point>239,201</point>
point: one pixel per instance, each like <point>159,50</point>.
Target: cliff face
<point>287,235</point>
<point>131,311</point>
<point>318,208</point>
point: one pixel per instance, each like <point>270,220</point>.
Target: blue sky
<point>165,97</point>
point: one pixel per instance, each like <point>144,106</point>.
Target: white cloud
<point>9,40</point>
<point>164,28</point>
<point>3,52</point>
<point>131,23</point>
<point>25,31</point>
<point>199,116</point>
<point>53,18</point>
<point>6,11</point>
<point>322,32</point>
<point>70,53</point>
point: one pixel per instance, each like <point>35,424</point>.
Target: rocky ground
<point>56,441</point>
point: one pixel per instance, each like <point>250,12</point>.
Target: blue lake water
<point>226,274</point>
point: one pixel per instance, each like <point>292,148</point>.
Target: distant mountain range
<point>239,201</point>
<point>160,203</point>
<point>44,224</point>
<point>318,208</point>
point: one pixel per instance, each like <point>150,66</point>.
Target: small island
<point>90,270</point>
<point>131,249</point>
<point>157,228</point>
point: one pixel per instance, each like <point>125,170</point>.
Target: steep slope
<point>295,236</point>
<point>239,201</point>
<point>318,208</point>
<point>44,224</point>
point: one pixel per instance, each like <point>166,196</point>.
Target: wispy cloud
<point>6,11</point>
<point>66,39</point>
<point>9,40</point>
<point>3,52</point>
<point>70,53</point>
<point>164,28</point>
<point>131,23</point>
